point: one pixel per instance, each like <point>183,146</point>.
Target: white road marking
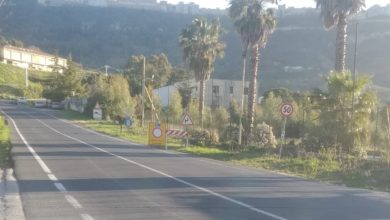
<point>86,217</point>
<point>242,204</point>
<point>60,187</point>
<point>52,177</point>
<point>71,200</point>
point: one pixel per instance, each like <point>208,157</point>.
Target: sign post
<point>286,110</point>
<point>157,134</point>
<point>97,112</point>
<point>186,121</point>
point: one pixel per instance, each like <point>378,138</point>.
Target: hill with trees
<point>298,55</point>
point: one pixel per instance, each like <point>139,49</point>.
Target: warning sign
<point>187,120</point>
<point>157,134</point>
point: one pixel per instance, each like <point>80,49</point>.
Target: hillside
<point>13,80</point>
<point>299,54</point>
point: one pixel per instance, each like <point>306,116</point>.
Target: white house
<point>219,93</point>
<point>30,58</point>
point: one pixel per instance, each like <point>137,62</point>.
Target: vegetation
<point>254,23</point>
<point>5,146</point>
<point>158,71</point>
<point>336,13</point>
<point>13,82</point>
<point>201,46</point>
<point>113,94</point>
<point>70,83</point>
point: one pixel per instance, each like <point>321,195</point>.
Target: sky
<point>290,3</point>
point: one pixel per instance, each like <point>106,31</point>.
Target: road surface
<point>67,172</point>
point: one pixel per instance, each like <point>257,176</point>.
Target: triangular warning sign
<point>97,106</point>
<point>187,120</point>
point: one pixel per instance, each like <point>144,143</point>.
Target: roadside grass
<point>5,145</point>
<point>324,167</point>
<point>13,80</point>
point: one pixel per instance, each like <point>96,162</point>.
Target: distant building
<point>219,93</point>
<point>153,5</point>
<point>30,58</point>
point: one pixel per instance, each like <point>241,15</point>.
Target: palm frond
<point>331,10</point>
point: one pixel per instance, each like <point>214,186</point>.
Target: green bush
<point>203,137</point>
<point>263,136</point>
<point>5,145</point>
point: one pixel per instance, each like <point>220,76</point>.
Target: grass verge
<point>5,145</point>
<point>352,172</point>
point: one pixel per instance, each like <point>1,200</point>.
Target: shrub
<point>203,137</point>
<point>264,136</point>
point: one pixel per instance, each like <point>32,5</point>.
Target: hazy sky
<point>294,3</point>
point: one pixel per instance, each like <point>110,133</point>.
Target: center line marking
<point>242,204</point>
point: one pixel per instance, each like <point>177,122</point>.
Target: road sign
<point>187,120</point>
<point>128,122</point>
<point>177,133</point>
<point>287,110</point>
<point>97,112</point>
<point>157,134</point>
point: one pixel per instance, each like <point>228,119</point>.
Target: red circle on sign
<point>287,110</point>
<point>157,132</point>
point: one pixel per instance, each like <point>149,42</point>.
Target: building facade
<point>218,93</point>
<point>30,58</point>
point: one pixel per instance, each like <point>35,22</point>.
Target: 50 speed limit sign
<point>287,109</point>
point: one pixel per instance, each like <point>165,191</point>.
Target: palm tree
<point>201,46</point>
<point>336,13</point>
<point>254,23</point>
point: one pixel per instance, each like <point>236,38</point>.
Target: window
<point>231,90</point>
<point>215,89</point>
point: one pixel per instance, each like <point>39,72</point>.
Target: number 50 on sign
<point>286,109</point>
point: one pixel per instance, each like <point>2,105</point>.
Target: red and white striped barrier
<point>177,133</point>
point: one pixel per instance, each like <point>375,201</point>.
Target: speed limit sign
<point>287,109</point>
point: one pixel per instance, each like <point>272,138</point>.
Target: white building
<point>219,93</point>
<point>30,58</point>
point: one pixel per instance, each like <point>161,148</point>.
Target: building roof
<point>34,51</point>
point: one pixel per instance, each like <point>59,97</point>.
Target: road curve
<point>68,172</point>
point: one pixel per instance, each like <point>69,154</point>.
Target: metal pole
<point>169,112</point>
<point>353,87</point>
<point>143,92</point>
<point>388,123</point>
<point>282,137</point>
<point>242,100</point>
<point>26,76</point>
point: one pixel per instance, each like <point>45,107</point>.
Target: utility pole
<point>388,123</point>
<point>26,75</point>
<point>143,91</point>
<point>354,86</point>
<point>106,67</point>
<point>242,100</point>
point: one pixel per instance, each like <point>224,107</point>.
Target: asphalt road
<point>67,172</point>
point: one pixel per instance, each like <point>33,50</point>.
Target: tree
<point>336,13</point>
<point>72,80</point>
<point>339,127</point>
<point>113,95</point>
<point>201,46</point>
<point>220,119</point>
<point>254,23</point>
<point>68,84</point>
<point>175,109</point>
<point>157,68</point>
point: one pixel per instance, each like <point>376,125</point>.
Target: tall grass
<point>5,145</point>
